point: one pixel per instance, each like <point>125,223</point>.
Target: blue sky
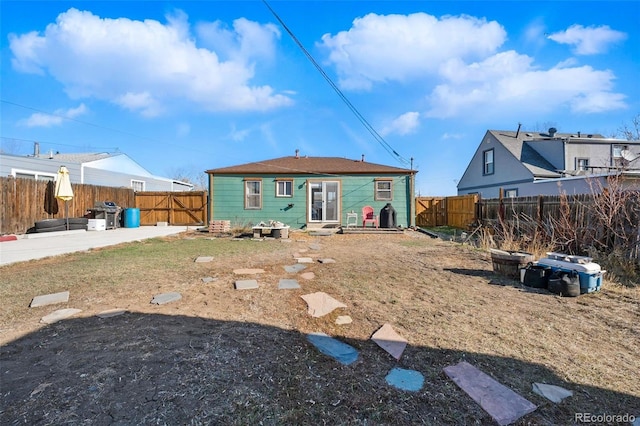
<point>182,87</point>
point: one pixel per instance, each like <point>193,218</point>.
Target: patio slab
<point>503,405</point>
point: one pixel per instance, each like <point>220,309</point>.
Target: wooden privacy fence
<point>175,208</point>
<point>457,211</point>
<point>26,201</point>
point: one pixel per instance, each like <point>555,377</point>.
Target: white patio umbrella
<point>63,190</point>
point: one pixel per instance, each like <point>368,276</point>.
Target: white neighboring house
<point>100,169</point>
<point>524,163</point>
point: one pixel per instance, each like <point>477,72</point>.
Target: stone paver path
<point>308,275</point>
<point>50,299</point>
<point>58,315</point>
<point>503,405</point>
<point>342,352</point>
<point>409,380</point>
<point>246,284</point>
<point>389,340</point>
<point>287,284</point>
<point>295,268</point>
<point>161,299</point>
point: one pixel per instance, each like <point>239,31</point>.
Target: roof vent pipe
<point>36,149</point>
<point>518,131</point>
<point>297,153</point>
<point>552,131</point>
<point>362,160</point>
<point>578,133</point>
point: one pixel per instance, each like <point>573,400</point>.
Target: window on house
<point>488,162</point>
<point>28,174</point>
<point>383,190</point>
<point>582,164</point>
<point>137,185</point>
<point>616,155</point>
<point>253,194</point>
<point>511,193</point>
<point>284,188</point>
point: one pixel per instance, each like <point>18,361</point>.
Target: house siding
<point>227,198</point>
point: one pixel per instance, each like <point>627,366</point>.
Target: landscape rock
<point>49,299</point>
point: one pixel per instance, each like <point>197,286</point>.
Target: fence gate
<point>176,208</point>
<point>431,211</point>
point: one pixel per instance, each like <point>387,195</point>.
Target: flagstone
<point>552,393</point>
<point>344,319</point>
<point>111,313</point>
<point>326,260</point>
<point>58,315</point>
<point>295,268</point>
<point>208,279</point>
<point>315,246</point>
<point>340,351</point>
<point>50,299</point>
<point>248,271</point>
<point>161,299</point>
<point>409,380</point>
<point>389,340</point>
<point>204,259</point>
<point>304,260</point>
<point>246,284</point>
<point>503,404</point>
<point>321,304</point>
<point>287,284</point>
<point>308,275</point>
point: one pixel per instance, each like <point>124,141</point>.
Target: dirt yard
<point>239,357</point>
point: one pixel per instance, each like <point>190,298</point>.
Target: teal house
<point>309,192</point>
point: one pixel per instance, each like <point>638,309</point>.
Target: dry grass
<point>241,357</point>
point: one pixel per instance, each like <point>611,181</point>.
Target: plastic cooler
<point>590,273</point>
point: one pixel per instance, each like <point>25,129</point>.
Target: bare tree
<point>630,131</point>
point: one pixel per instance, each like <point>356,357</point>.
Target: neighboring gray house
<point>100,169</point>
<point>533,163</point>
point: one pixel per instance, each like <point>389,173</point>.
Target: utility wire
<point>353,109</point>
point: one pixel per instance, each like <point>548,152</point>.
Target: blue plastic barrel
<point>131,218</point>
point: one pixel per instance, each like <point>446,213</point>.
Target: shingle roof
<point>78,158</point>
<point>529,157</point>
<point>311,165</point>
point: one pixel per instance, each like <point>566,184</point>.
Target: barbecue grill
<point>108,211</point>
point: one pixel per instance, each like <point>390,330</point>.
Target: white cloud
<point>588,40</point>
<point>40,119</point>
<point>405,124</point>
<point>147,65</point>
<point>405,47</point>
<point>238,135</point>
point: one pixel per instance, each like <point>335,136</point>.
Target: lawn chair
<point>368,216</point>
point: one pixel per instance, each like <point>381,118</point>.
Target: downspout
<point>412,198</point>
<point>210,203</point>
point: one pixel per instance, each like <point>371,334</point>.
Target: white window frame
<point>248,194</point>
<point>134,182</point>
<point>284,188</point>
<point>511,193</point>
<point>378,196</point>
<point>486,163</point>
<point>34,174</point>
<point>582,164</point>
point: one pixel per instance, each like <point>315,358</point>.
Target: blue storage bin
<point>589,273</point>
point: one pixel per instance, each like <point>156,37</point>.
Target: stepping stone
<point>320,304</point>
<point>295,268</point>
<point>286,284</point>
<point>503,405</point>
<point>246,284</point>
<point>326,261</point>
<point>315,246</point>
<point>161,299</point>
<point>248,271</point>
<point>552,393</point>
<point>208,279</point>
<point>111,313</point>
<point>340,351</point>
<point>320,233</point>
<point>409,380</point>
<point>308,275</point>
<point>387,338</point>
<point>304,260</point>
<point>344,319</point>
<point>49,299</point>
<point>204,259</point>
<point>58,315</point>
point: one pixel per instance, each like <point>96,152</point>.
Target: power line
<point>342,96</point>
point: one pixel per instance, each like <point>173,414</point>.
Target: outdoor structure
<point>524,163</point>
<point>100,169</point>
<point>308,192</point>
